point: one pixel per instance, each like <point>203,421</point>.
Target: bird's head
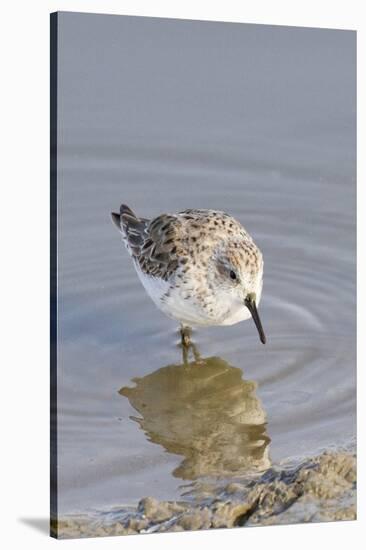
<point>237,273</point>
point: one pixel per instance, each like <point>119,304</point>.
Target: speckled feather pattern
<point>184,261</point>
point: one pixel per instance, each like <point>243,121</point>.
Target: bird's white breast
<point>236,315</point>
<point>172,301</point>
<point>154,286</point>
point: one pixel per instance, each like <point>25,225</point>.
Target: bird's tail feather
<point>117,219</point>
<point>131,227</point>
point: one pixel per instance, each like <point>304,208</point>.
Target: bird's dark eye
<point>232,275</point>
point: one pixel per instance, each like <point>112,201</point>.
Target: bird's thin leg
<point>185,333</point>
<point>187,344</point>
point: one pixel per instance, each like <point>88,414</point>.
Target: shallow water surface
<point>254,136</point>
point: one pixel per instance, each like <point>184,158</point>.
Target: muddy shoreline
<point>316,490</point>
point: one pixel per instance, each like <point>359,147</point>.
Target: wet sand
<point>319,489</point>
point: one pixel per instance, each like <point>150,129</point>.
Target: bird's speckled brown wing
<point>151,243</point>
<point>161,245</point>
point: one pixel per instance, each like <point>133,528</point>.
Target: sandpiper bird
<point>200,267</point>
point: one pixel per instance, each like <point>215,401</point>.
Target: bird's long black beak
<point>251,305</point>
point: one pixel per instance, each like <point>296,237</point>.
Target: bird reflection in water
<point>205,412</point>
